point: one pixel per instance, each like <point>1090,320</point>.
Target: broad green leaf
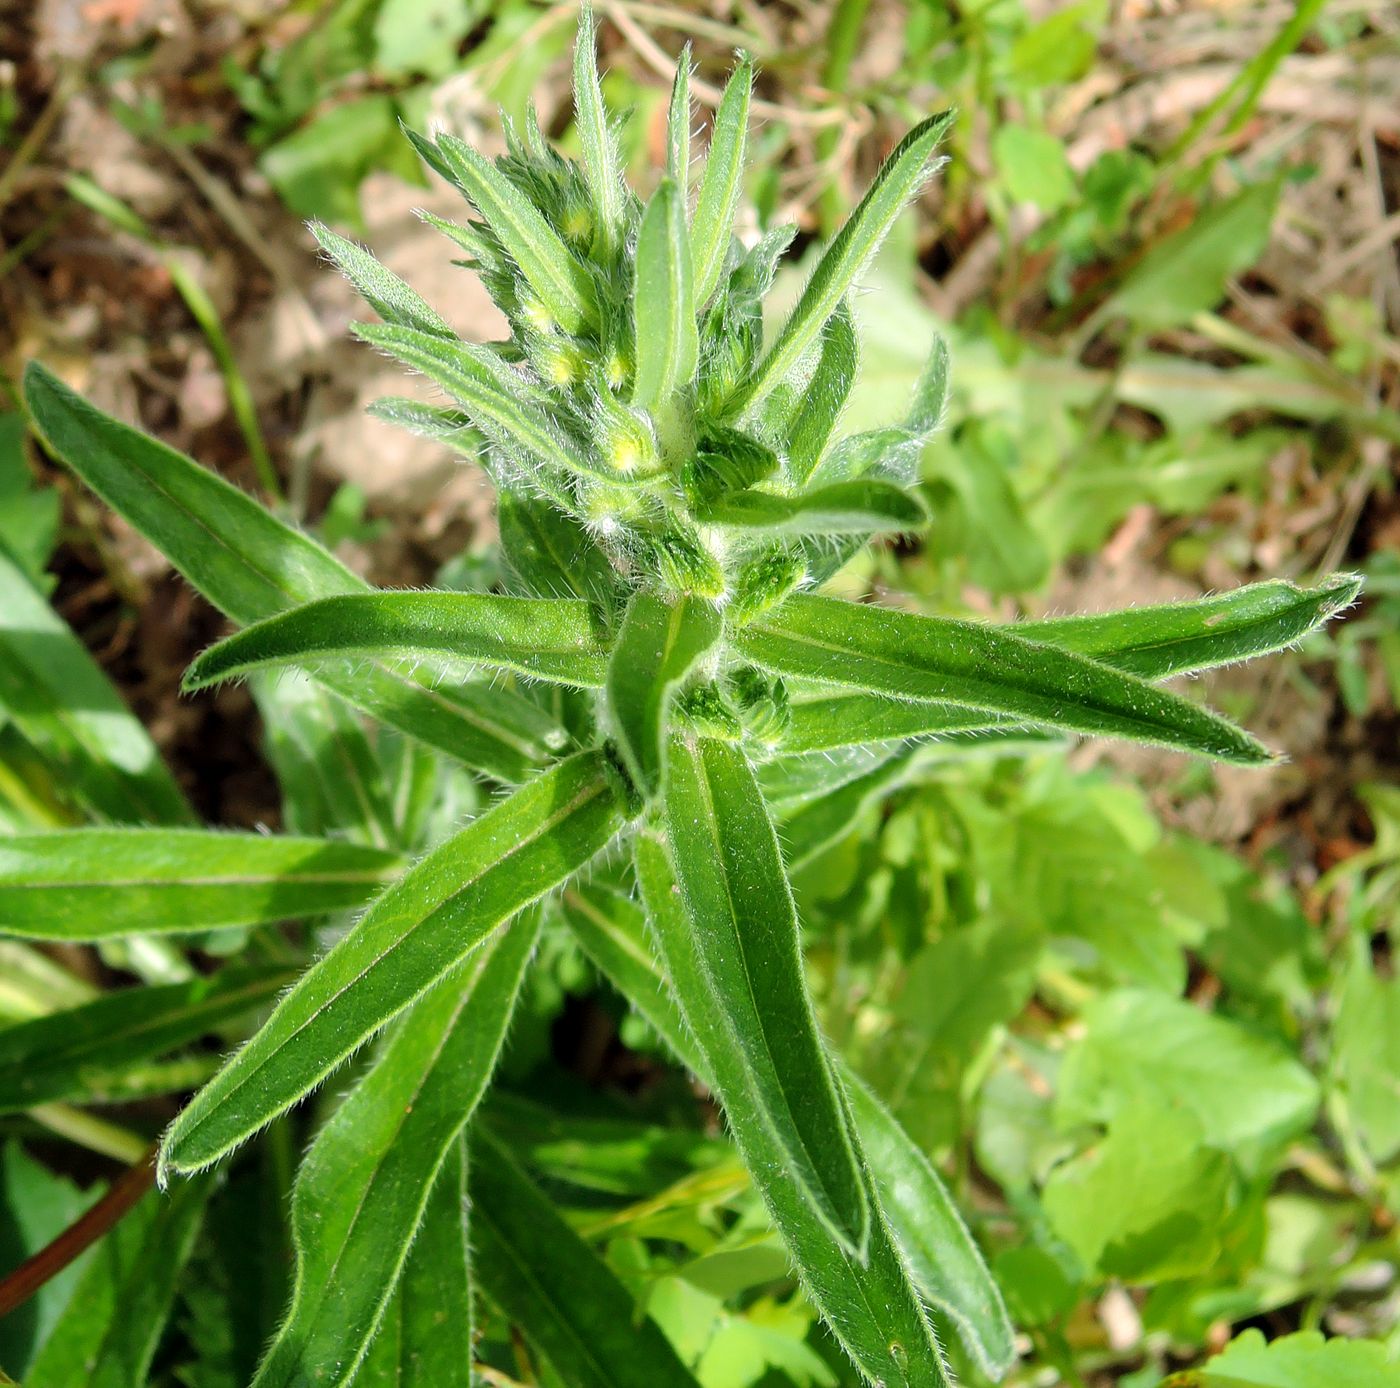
<point>424,1339</point>
<point>943,660</point>
<point>667,340</point>
<point>741,913</point>
<point>512,413</point>
<point>363,1188</point>
<point>817,408</point>
<point>870,1303</point>
<point>944,1261</point>
<point>845,508</point>
<point>1365,1052</point>
<point>545,261</point>
<point>108,1332</point>
<point>678,127</point>
<point>547,638</point>
<point>551,1285</point>
<point>388,295</point>
<point>56,695</point>
<point>1155,642</point>
<point>250,566</point>
<point>1033,166</point>
<point>431,919</point>
<point>601,168</point>
<point>1248,1094</point>
<point>91,1053</point>
<point>658,645</point>
<point>849,254</point>
<point>549,554</point>
<point>1305,1359</point>
<point>96,884</point>
<point>721,184</point>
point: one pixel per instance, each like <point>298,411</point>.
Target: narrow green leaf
<point>816,409</point>
<point>721,184</point>
<point>549,1282</point>
<point>817,823</point>
<point>549,554</point>
<point>947,1266</point>
<point>678,127</point>
<point>846,508</point>
<point>57,696</point>
<point>912,657</point>
<point>870,1305</point>
<point>1172,638</point>
<point>545,261</point>
<point>659,643</point>
<point>505,407</point>
<point>250,565</point>
<point>856,720</point>
<point>667,339</point>
<point>745,926</point>
<point>601,169</point>
<point>449,427</point>
<point>108,1332</point>
<point>98,884</point>
<point>390,297</point>
<point>547,638</point>
<point>846,258</point>
<point>86,1052</point>
<point>930,392</point>
<point>424,1338</point>
<point>428,921</point>
<point>362,1190</point>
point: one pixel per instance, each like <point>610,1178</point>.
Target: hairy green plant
<point>675,715</point>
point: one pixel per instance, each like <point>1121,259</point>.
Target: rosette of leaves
<point>672,713</point>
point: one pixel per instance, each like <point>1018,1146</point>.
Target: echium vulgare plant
<point>660,681</point>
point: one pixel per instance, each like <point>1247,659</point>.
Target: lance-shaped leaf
<point>912,657</point>
<point>549,1282</point>
<point>98,884</point>
<point>846,508</point>
<point>362,1189</point>
<point>745,926</point>
<point>856,720</point>
<point>89,1052</point>
<point>109,1330</point>
<point>546,262</point>
<point>549,554</point>
<point>846,258</point>
<point>431,919</point>
<point>390,297</point>
<point>721,184</point>
<point>440,423</point>
<point>57,696</point>
<point>871,1305</point>
<point>601,169</point>
<point>500,402</point>
<point>660,642</point>
<point>1172,638</point>
<point>667,340</point>
<point>816,409</point>
<point>946,1264</point>
<point>424,1337</point>
<point>678,126</point>
<point>250,565</point>
<point>548,638</point>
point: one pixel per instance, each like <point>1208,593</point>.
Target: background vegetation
<point>1140,1011</point>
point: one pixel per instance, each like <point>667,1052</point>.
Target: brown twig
<point>79,1236</point>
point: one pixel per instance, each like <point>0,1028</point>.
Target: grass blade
<point>846,508</point>
<point>850,252</point>
<point>546,638</point>
<point>660,641</point>
<point>88,1051</point>
<point>100,884</point>
<point>741,913</point>
<point>668,341</point>
<point>556,1289</point>
<point>721,184</point>
<point>431,919</point>
<point>871,1305</point>
<point>362,1190</point>
<point>939,659</point>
